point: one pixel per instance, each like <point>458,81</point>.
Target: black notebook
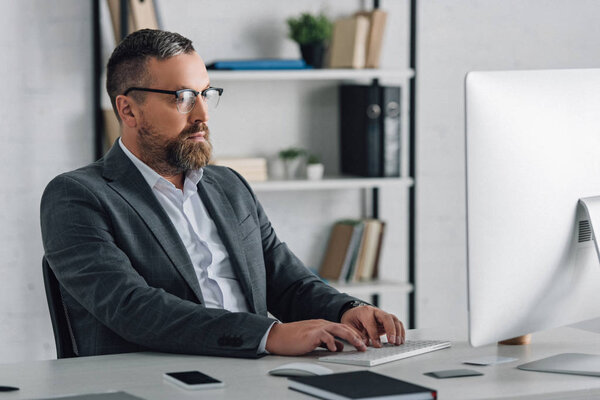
<point>359,385</point>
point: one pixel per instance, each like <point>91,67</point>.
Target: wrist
<point>350,305</point>
<point>271,338</point>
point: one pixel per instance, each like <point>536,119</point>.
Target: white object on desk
<point>300,369</point>
<point>490,360</point>
<point>566,363</point>
<point>387,353</point>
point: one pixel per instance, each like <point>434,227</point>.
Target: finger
<point>372,331</point>
<point>360,329</point>
<point>347,333</point>
<point>339,345</point>
<point>364,335</point>
<point>389,327</point>
<point>402,336</point>
<point>328,341</point>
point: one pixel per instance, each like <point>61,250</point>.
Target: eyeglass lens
<point>187,100</point>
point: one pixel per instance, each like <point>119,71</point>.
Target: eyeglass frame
<point>176,93</point>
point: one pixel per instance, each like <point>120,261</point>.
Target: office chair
<point>63,334</point>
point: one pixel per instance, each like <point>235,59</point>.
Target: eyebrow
<point>187,87</point>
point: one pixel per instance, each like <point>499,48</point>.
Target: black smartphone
<point>192,380</point>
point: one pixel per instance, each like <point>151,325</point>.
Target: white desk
<point>141,373</point>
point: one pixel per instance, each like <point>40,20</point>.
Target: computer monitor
<point>532,152</point>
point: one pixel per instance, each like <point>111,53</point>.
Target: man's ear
<point>126,111</point>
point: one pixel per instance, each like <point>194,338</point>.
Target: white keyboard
<point>387,353</point>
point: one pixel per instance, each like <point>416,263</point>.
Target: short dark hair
<point>127,65</point>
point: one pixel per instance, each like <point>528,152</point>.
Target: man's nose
<point>200,111</point>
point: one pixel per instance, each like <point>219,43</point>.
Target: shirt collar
<point>151,176</point>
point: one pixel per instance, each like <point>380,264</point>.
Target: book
<point>370,130</point>
<point>369,248</point>
<point>375,273</point>
<point>349,42</point>
<point>359,385</point>
<point>142,14</point>
<point>258,64</point>
<point>377,22</point>
<point>340,241</point>
<point>352,252</point>
<point>359,262</point>
<point>252,169</point>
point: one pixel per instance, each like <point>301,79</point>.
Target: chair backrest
<point>63,335</point>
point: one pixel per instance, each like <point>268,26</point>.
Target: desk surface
<point>141,373</point>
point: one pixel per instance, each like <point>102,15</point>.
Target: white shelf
<point>330,183</point>
<point>375,287</point>
<point>310,74</point>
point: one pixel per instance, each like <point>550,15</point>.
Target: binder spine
<point>374,142</point>
<point>391,130</point>
<point>361,130</point>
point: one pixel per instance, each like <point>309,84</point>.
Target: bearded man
<point>156,250</point>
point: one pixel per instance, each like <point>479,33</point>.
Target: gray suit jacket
<point>127,280</point>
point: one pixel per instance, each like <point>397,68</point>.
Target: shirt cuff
<point>263,343</point>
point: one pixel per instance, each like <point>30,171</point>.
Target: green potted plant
<point>314,168</point>
<point>292,160</point>
<point>312,33</point>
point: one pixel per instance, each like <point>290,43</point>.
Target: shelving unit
<point>313,74</point>
<point>366,289</point>
<point>369,186</point>
<point>330,183</point>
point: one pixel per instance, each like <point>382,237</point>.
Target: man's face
<point>168,141</point>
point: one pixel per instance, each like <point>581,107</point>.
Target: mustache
<point>194,129</point>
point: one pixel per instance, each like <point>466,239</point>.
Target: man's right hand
<point>297,338</point>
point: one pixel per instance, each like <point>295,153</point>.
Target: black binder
<point>370,130</point>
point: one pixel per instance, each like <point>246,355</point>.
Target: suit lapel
<point>222,213</point>
<point>129,183</point>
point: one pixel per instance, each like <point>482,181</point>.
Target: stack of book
<point>142,14</point>
<point>353,251</point>
<point>252,169</point>
<point>258,64</point>
<point>357,40</point>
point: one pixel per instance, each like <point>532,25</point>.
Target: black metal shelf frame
<point>99,126</point>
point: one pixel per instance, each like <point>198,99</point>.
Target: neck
<point>162,168</point>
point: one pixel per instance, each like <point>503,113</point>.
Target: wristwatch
<point>350,305</point>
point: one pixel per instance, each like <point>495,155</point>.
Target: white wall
<point>455,37</point>
<point>45,129</point>
<point>46,120</point>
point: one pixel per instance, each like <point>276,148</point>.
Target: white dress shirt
<point>218,282</point>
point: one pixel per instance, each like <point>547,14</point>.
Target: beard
<point>170,157</point>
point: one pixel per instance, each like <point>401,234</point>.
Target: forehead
<point>184,71</point>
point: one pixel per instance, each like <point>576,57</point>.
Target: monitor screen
<point>532,151</point>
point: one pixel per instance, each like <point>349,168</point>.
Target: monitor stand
<point>575,363</point>
<point>566,363</point>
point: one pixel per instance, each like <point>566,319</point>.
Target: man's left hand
<point>372,322</point>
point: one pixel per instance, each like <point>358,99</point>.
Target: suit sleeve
<point>294,293</point>
<point>80,248</point>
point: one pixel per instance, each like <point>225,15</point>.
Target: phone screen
<point>192,377</point>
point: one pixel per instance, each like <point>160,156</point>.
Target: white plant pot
<point>292,168</point>
<point>314,172</point>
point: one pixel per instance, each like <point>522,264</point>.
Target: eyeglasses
<point>186,98</point>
